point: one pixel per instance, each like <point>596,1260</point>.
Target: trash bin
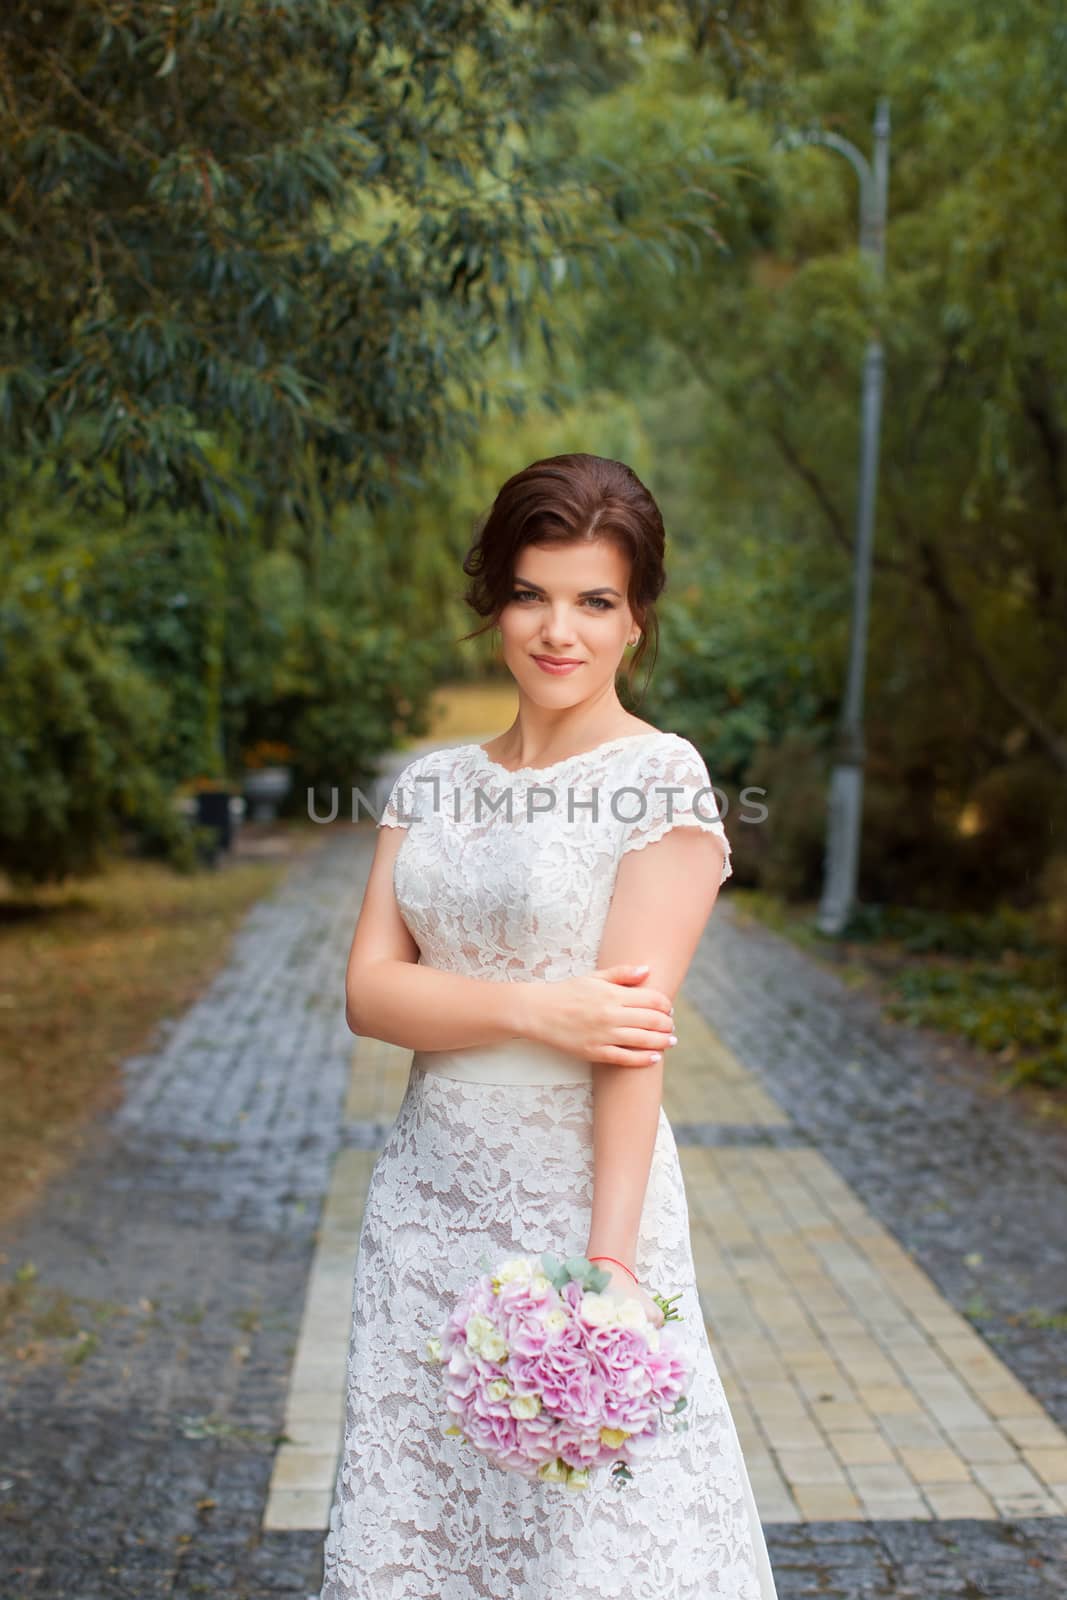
<point>213,811</point>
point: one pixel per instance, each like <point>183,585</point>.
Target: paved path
<point>863,1216</point>
<point>859,1391</point>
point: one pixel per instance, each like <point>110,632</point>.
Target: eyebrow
<point>524,583</point>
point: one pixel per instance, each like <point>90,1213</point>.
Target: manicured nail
<point>656,1055</point>
<point>671,1039</point>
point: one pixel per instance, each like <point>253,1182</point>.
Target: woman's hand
<point>607,1016</point>
<point>623,1287</point>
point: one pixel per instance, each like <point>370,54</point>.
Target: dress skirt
<point>473,1168</point>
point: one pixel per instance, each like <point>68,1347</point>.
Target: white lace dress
<point>491,1154</point>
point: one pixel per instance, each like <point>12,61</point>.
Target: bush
<point>80,728</point>
<point>338,678</point>
<point>1052,915</point>
<point>1019,813</point>
<point>784,853</point>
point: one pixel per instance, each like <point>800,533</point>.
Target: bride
<point>531,911</point>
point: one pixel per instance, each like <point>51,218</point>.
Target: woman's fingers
<point>613,1055</point>
<point>641,994</point>
<point>623,973</point>
<point>647,1022</point>
<point>649,999</point>
<point>642,1039</point>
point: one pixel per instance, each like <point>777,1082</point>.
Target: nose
<point>557,634</point>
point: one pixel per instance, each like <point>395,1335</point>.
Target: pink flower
<point>531,1382</point>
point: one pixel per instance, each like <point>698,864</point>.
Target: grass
<point>89,969</point>
<point>472,710</point>
<point>38,1320</point>
<point>988,980</point>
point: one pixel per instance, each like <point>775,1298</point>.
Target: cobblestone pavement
<point>185,1233</point>
<point>183,1236</point>
<point>971,1183</point>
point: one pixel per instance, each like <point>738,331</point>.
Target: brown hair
<point>560,500</point>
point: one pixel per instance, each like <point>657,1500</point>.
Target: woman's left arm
<point>663,897</point>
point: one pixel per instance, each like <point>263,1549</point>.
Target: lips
<point>557,668</point>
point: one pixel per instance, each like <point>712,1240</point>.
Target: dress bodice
<point>509,875</point>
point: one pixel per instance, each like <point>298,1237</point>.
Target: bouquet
<point>547,1376</point>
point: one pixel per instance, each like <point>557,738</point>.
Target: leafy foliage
<point>745,369</point>
<point>80,734</point>
<point>290,227</point>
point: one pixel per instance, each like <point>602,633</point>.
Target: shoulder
<point>664,753</point>
<point>670,787</point>
<point>406,784</point>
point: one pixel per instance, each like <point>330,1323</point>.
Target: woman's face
<point>567,602</point>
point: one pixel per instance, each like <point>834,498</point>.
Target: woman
<point>531,911</point>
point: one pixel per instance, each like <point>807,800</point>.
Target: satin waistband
<point>516,1061</point>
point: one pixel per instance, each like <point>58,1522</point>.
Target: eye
<point>598,601</point>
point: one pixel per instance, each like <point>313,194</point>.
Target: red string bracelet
<point>621,1264</point>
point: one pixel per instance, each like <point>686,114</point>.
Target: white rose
<point>433,1349</point>
<point>493,1346</point>
<point>597,1309</point>
<point>525,1405</point>
<point>554,1321</point>
<point>630,1314</point>
<point>516,1269</point>
<point>477,1329</point>
<point>499,1389</point>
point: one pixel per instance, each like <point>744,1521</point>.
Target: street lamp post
<point>845,808</point>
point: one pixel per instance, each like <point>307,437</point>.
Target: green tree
<point>746,367</point>
<point>291,229</point>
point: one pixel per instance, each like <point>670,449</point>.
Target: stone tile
<point>1049,1465</point>
<point>815,1466</point>
<point>298,1508</point>
<point>882,1481</point>
<point>775,1506</point>
<point>304,1469</point>
<point>903,1508</point>
<point>841,1416</point>
<point>318,1376</point>
<point>1013,1489</point>
<point>310,1406</point>
<point>862,1449</point>
<point>953,1500</point>
<point>827,1502</point>
<point>1002,1399</point>
<point>790,1434</point>
<point>890,1401</point>
<point>316,1437</point>
<point>1032,1432</point>
<point>915,1432</point>
<point>935,1466</point>
<point>985,1445</point>
<point>954,1414</point>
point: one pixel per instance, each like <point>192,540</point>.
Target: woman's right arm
<point>389,996</point>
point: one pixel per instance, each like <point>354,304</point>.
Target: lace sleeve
<point>674,784</point>
<point>400,808</point>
